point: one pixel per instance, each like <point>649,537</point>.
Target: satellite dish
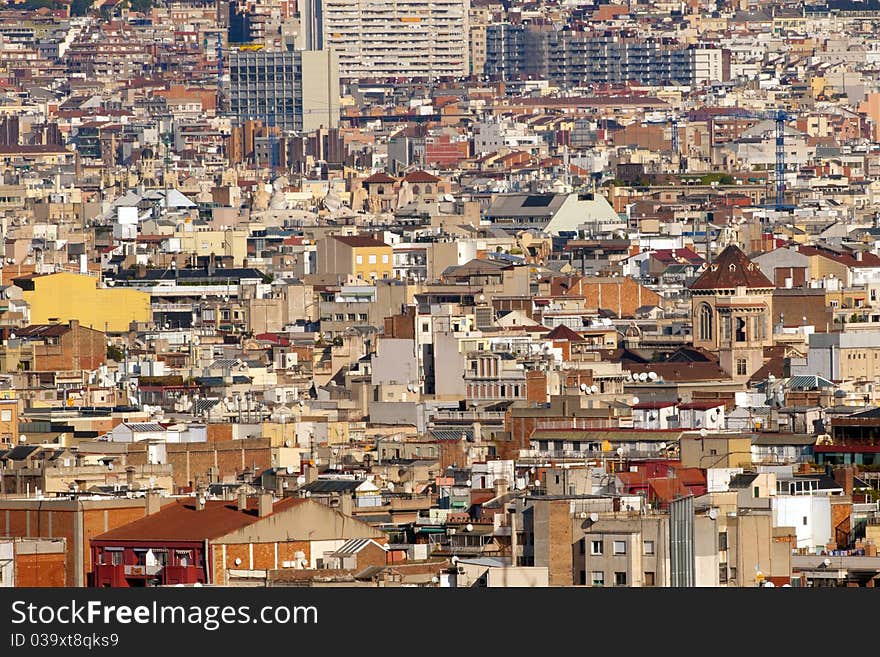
<point>468,483</point>
<point>110,466</point>
<point>703,432</point>
<point>662,445</point>
<point>391,486</point>
<point>629,376</point>
<point>538,483</point>
<point>652,376</point>
<point>202,500</point>
<point>635,400</point>
<point>237,561</point>
<point>769,585</point>
<point>594,516</point>
<point>454,560</point>
<point>583,387</point>
<point>289,469</point>
<point>620,451</point>
<point>594,388</point>
<point>287,443</point>
<point>583,515</point>
<point>22,438</point>
<point>643,377</point>
<point>469,527</point>
<point>713,513</point>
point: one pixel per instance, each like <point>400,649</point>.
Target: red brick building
<point>61,347</point>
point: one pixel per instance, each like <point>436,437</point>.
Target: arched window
<point>429,189</point>
<point>417,190</point>
<point>705,319</point>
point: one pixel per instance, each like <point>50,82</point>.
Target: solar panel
<point>538,201</point>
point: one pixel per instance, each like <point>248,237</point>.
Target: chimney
<point>201,498</point>
<point>279,486</point>
<point>73,324</point>
<point>242,499</point>
<point>265,507</point>
<point>844,477</point>
<point>858,255</point>
<point>153,503</point>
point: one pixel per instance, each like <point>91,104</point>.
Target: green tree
<point>80,7</point>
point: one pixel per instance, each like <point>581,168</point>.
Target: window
<point>362,317</point>
<point>732,570</point>
<point>359,259</point>
<point>425,327</point>
<point>340,317</point>
<point>649,547</point>
<point>619,547</point>
<point>741,367</point>
<point>116,558</point>
<point>649,579</point>
<point>582,546</point>
<point>598,578</point>
<point>596,548</point>
<point>351,317</point>
<point>6,416</point>
<point>805,521</point>
<point>385,259</point>
<point>722,540</point>
<point>619,579</point>
<point>705,322</point>
<point>722,572</point>
<point>371,259</point>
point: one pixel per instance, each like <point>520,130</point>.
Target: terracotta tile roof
<point>420,177</point>
<point>379,177</point>
<point>731,269</point>
<point>181,521</point>
<point>356,241</point>
<point>563,333</point>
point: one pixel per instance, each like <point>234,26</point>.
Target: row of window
<point>351,317</point>
<point>359,259</point>
<point>597,548</point>
<point>597,578</point>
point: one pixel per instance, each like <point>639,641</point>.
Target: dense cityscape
<point>439,293</point>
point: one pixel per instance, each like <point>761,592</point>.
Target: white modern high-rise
<point>386,39</point>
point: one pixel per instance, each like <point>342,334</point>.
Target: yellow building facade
<point>65,296</point>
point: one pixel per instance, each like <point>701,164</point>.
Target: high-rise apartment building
<point>377,39</point>
<point>290,90</point>
<point>573,57</point>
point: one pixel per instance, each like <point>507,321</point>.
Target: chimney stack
<point>242,499</point>
<point>153,503</point>
<point>265,507</point>
<point>201,499</point>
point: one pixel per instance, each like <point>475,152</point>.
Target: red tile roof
<point>731,269</point>
<point>181,521</point>
<point>420,177</point>
<point>356,241</point>
<point>379,177</point>
<point>562,333</point>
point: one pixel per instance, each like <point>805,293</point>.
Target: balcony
<point>142,571</point>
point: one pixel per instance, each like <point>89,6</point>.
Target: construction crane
<point>780,117</point>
